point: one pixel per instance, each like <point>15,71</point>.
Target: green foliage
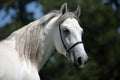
<point>20,19</point>
<point>101,40</point>
<point>8,29</point>
<point>55,4</point>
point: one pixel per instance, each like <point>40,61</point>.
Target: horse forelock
<point>63,17</point>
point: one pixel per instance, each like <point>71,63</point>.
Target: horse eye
<point>66,31</point>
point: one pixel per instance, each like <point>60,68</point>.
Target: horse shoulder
<point>11,65</point>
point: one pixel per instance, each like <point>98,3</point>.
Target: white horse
<point>25,51</point>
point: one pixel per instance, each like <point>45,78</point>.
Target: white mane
<point>28,38</point>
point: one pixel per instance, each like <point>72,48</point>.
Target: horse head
<point>68,37</point>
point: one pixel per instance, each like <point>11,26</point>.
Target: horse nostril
<point>79,61</point>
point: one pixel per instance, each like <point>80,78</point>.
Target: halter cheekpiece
<point>68,49</point>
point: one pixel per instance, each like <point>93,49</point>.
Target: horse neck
<point>48,44</point>
<point>34,42</point>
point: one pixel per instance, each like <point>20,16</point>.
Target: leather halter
<point>68,49</point>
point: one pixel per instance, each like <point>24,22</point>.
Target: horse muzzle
<point>78,62</point>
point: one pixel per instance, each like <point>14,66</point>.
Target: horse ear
<point>77,11</point>
<point>63,8</point>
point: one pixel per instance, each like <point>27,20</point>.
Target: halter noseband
<point>68,49</point>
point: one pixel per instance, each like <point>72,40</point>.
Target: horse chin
<point>78,67</point>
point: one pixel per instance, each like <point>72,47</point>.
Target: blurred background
<point>100,20</point>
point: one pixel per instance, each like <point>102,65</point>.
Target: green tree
<point>21,18</point>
